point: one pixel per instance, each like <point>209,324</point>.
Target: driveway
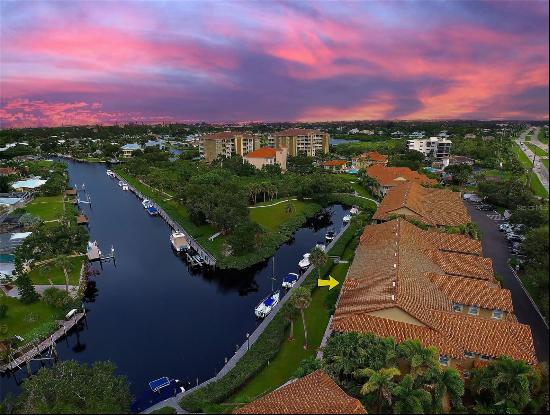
<point>495,246</point>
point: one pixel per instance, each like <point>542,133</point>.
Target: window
<point>474,311</point>
<point>444,360</point>
<point>484,357</point>
<point>469,355</point>
<point>457,308</point>
<point>497,314</point>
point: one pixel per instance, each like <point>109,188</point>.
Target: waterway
<point>152,315</point>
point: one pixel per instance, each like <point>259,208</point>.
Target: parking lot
<point>496,247</point>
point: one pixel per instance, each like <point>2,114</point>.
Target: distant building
<point>488,137</point>
<point>227,144</point>
<point>470,136</point>
<point>334,165</point>
<point>128,149</point>
<point>368,159</point>
<point>438,147</point>
<point>267,156</point>
<point>388,177</point>
<point>453,160</point>
<point>301,141</point>
<point>315,393</point>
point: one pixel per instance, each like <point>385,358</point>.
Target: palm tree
<point>289,312</point>
<point>420,358</point>
<point>409,399</point>
<point>380,383</point>
<point>318,258</point>
<point>448,389</point>
<point>301,299</point>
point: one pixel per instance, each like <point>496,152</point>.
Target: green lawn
<point>271,217</point>
<point>43,274</point>
<point>537,150</point>
<point>46,207</point>
<point>536,186</point>
<point>543,137</point>
<point>25,319</point>
<point>523,159</point>
<point>165,410</point>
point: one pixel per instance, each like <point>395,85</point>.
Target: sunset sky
<point>84,62</point>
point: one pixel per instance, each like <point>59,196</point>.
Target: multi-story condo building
<point>301,141</point>
<point>227,144</point>
<point>439,147</point>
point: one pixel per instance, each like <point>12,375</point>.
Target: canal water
<point>152,315</point>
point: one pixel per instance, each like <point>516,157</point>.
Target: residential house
<point>388,177</point>
<point>227,144</point>
<point>454,160</point>
<point>434,207</point>
<point>411,284</point>
<point>368,159</point>
<point>129,149</point>
<point>267,156</point>
<point>438,147</point>
<point>334,166</point>
<point>315,393</point>
<point>301,141</point>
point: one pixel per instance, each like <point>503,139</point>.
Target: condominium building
<point>435,287</point>
<point>438,147</point>
<point>227,144</point>
<point>301,141</point>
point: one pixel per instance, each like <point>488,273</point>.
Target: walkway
<point>539,169</point>
<point>496,247</point>
<point>174,402</point>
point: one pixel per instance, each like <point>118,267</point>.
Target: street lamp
<point>248,341</point>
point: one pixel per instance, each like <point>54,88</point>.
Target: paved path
<point>496,247</point>
<point>540,170</point>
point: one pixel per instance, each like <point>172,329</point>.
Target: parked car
<point>485,207</point>
<point>505,227</point>
<point>514,237</point>
<point>515,248</point>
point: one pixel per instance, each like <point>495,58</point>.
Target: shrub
<point>57,298</point>
<point>3,310</point>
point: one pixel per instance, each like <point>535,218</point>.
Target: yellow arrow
<point>331,282</point>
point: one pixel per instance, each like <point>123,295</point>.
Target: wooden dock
<point>37,349</point>
<point>202,253</point>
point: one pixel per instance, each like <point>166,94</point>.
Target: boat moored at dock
<point>159,390</point>
<point>111,174</point>
<point>179,241</point>
<point>151,210</point>
<point>267,305</point>
<point>329,236</point>
<point>305,262</point>
<point>290,279</point>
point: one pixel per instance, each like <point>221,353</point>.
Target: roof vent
<point>395,265</point>
<point>393,297</point>
<point>393,284</point>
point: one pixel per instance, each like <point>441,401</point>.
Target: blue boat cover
<point>290,278</point>
<point>159,383</point>
<point>269,302</point>
<point>152,209</point>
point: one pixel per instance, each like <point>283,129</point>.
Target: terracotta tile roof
<point>406,275</point>
<point>393,176</point>
<point>373,156</point>
<point>4,171</point>
<point>483,294</point>
<point>225,135</point>
<point>293,132</point>
<point>334,163</point>
<point>264,152</point>
<point>435,207</point>
<point>315,393</point>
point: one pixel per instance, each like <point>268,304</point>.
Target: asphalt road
<point>539,169</point>
<point>495,246</point>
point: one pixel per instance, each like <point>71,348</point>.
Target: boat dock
<point>202,256</point>
<point>26,356</point>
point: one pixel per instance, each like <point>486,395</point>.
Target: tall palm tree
<point>380,383</point>
<point>318,258</point>
<point>289,312</point>
<point>410,399</point>
<point>420,358</point>
<point>447,387</point>
<point>301,299</point>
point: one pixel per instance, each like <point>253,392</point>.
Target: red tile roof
<point>393,176</point>
<point>264,152</point>
<point>334,163</point>
<point>435,207</point>
<point>415,276</point>
<point>315,393</point>
<point>373,156</point>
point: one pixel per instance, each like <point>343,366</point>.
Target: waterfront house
<point>267,156</point>
<point>227,144</point>
<point>438,147</point>
<point>335,166</point>
<point>412,284</point>
<point>315,393</point>
<point>301,141</point>
<point>362,161</point>
<point>388,177</point>
<point>434,207</point>
<point>129,149</point>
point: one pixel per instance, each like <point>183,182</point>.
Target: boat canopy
<point>290,277</point>
<point>269,302</point>
<point>158,384</point>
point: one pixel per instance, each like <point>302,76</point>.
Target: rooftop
<point>334,163</point>
<point>435,207</point>
<point>315,393</point>
<point>392,176</point>
<point>373,156</point>
<point>263,152</point>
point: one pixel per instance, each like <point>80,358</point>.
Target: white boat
<point>305,262</point>
<point>290,280</point>
<point>329,236</point>
<point>120,183</point>
<point>146,203</point>
<point>353,211</point>
<point>321,246</point>
<point>265,307</point>
<point>125,186</point>
<point>179,241</point>
<point>110,173</point>
<point>346,218</point>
